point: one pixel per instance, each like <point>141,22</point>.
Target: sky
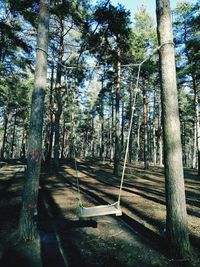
<point>132,5</point>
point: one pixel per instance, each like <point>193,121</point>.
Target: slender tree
<point>187,27</point>
<point>177,230</point>
<point>117,155</point>
<point>27,229</point>
<point>145,123</point>
<point>58,97</point>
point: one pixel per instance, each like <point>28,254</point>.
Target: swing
<point>113,209</point>
<point>101,210</point>
<point>110,209</point>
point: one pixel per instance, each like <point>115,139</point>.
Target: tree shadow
<point>145,191</point>
<point>55,232</point>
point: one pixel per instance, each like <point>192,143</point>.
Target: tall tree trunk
<point>58,97</point>
<point>154,130</point>
<point>101,154</point>
<point>154,144</point>
<point>198,132</point>
<point>117,123</point>
<point>131,132</point>
<point>196,142</point>
<point>122,127</point>
<point>13,136</point>
<point>149,138</point>
<point>197,126</point>
<point>137,141</point>
<point>160,135</point>
<point>112,126</point>
<point>50,126</point>
<point>4,134</point>
<point>63,139</point>
<point>73,127</point>
<point>146,157</point>
<point>27,226</point>
<point>93,139</point>
<point>177,229</point>
<point>194,145</point>
<point>183,142</point>
<point>23,144</point>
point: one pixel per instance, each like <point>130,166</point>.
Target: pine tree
<point>177,230</point>
<point>27,230</point>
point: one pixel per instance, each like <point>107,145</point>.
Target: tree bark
<point>93,138</point>
<point>154,130</point>
<point>117,124</point>
<point>23,144</point>
<point>13,136</point>
<point>177,229</point>
<point>58,97</point>
<point>198,133</point>
<point>137,140</point>
<point>112,126</point>
<point>101,154</point>
<point>27,226</point>
<point>146,157</point>
<point>63,139</point>
<point>131,132</point>
<point>122,127</point>
<point>160,135</point>
<point>194,145</point>
<point>4,134</point>
<point>50,126</point>
<point>196,106</point>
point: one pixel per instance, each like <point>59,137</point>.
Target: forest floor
<point>100,241</point>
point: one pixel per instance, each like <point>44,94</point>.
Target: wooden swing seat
<point>100,211</point>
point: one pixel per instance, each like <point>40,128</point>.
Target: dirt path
<point>108,243</point>
<point>65,241</point>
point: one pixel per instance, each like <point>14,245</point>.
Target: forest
<point>98,109</point>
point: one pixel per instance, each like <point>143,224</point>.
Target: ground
<point>134,239</point>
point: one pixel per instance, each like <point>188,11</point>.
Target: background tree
<point>186,21</point>
<point>110,43</point>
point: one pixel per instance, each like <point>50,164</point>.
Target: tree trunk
<point>93,139</point>
<point>146,157</point>
<point>50,126</point>
<point>183,142</point>
<point>197,126</point>
<point>122,128</point>
<point>101,154</point>
<point>154,130</point>
<point>198,134</point>
<point>130,156</point>
<point>27,226</point>
<point>58,98</point>
<point>13,136</point>
<point>160,135</point>
<point>117,124</point>
<point>194,145</point>
<point>23,144</point>
<point>4,134</point>
<point>112,127</point>
<point>137,141</point>
<point>177,230</point>
<point>63,139</point>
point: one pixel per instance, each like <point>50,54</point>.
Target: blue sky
<point>132,5</point>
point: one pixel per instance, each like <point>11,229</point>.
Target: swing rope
<point>132,114</point>
<point>129,133</point>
